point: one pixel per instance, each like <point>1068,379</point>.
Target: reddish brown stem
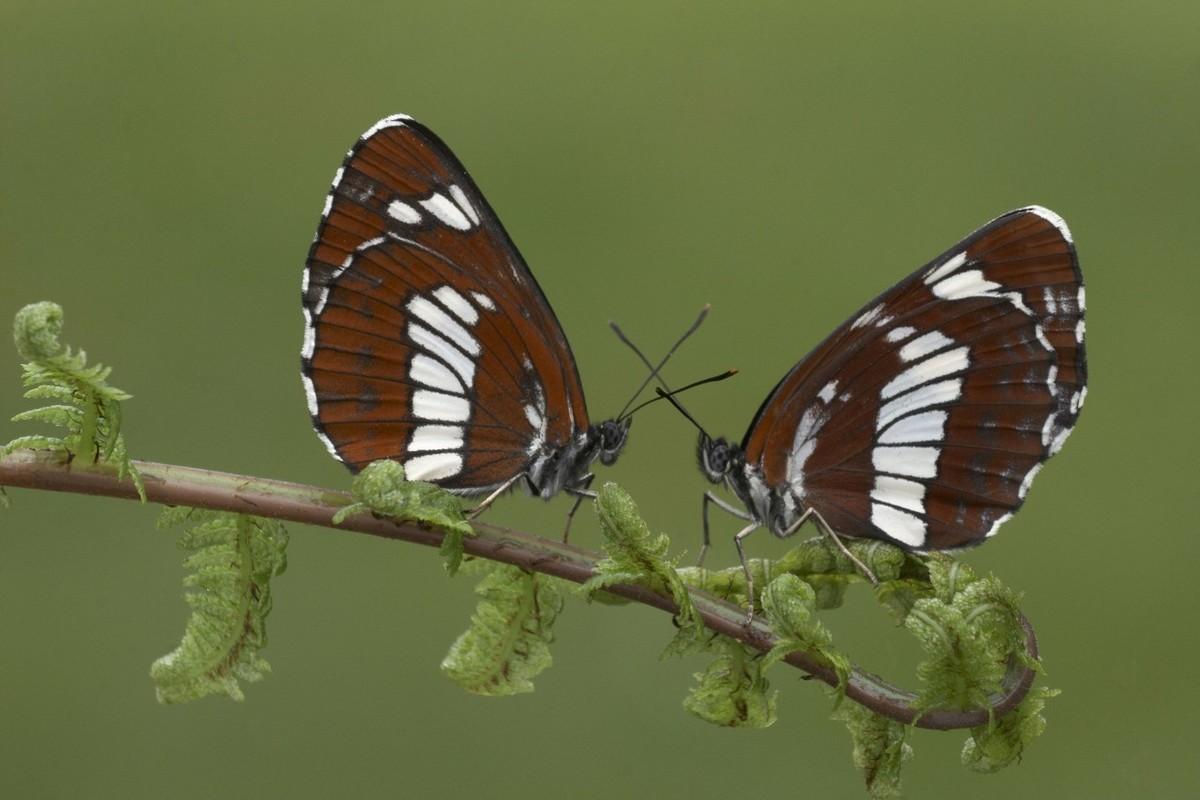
<point>175,485</point>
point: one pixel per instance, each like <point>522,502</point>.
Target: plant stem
<point>175,485</point>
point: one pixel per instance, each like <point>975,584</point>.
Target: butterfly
<point>427,339</point>
<point>923,419</point>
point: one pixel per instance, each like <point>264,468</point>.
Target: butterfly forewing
<point>427,338</point>
<point>924,418</point>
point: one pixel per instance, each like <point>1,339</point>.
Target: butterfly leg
<point>581,492</point>
<point>823,527</point>
<point>491,498</point>
<point>737,540</point>
<point>709,497</point>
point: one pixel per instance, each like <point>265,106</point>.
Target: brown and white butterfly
<point>426,337</point>
<point>923,419</point>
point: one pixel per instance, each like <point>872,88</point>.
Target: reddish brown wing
<point>925,417</point>
<point>427,339</point>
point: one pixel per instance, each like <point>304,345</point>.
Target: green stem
<point>176,485</point>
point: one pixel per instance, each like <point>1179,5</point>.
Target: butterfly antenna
<point>670,396</point>
<point>729,373</point>
<point>654,371</point>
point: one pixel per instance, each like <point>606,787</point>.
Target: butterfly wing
<point>427,339</point>
<point>924,418</point>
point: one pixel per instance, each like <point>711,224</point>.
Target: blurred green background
<point>164,166</point>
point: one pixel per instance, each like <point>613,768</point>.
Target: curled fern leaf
<point>381,489</point>
<point>968,628</point>
<point>88,408</point>
<point>233,558</point>
<point>634,555</point>
<point>993,747</point>
<point>733,691</point>
<point>508,643</point>
<point>791,607</point>
<point>880,749</point>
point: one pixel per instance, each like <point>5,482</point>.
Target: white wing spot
<point>434,374</point>
<point>1080,300</point>
<point>917,462</point>
<point>439,406</point>
<point>460,197</point>
<point>899,525</point>
<point>899,492</point>
<point>1079,329</point>
<point>436,437</point>
<point>803,445</point>
<point>932,368</point>
<point>924,345</point>
<point>432,467</point>
<point>948,266</point>
<point>403,212</point>
<point>1027,481</point>
<point>433,316</point>
<point>1050,301</point>
<point>329,446</point>
<point>310,394</point>
<point>879,323</point>
<point>828,391</point>
<point>1053,219</point>
<point>428,340</point>
<point>454,301</point>
<point>394,121</point>
<point>441,207</point>
<point>931,395</point>
<point>483,300</point>
<point>996,525</point>
<point>903,332</point>
<point>928,426</point>
<point>310,338</point>
<point>1059,440</point>
<point>867,316</point>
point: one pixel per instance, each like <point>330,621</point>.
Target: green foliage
<point>790,604</point>
<point>508,643</point>
<point>968,626</point>
<point>233,558</point>
<point>381,489</point>
<point>993,747</point>
<point>83,402</point>
<point>637,556</point>
<point>733,690</point>
<point>968,629</point>
<point>880,749</point>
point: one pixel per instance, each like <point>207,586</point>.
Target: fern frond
<point>733,691</point>
<point>634,555</point>
<point>968,628</point>
<point>508,643</point>
<point>88,408</point>
<point>880,749</point>
<point>233,558</point>
<point>790,604</point>
<point>382,489</point>
<point>993,747</point>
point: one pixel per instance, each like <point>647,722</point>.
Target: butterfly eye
<point>714,458</point>
<point>612,439</point>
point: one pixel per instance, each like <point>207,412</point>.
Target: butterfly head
<point>610,439</point>
<point>717,457</point>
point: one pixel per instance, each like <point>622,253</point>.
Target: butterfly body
<point>923,419</point>
<point>427,339</point>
